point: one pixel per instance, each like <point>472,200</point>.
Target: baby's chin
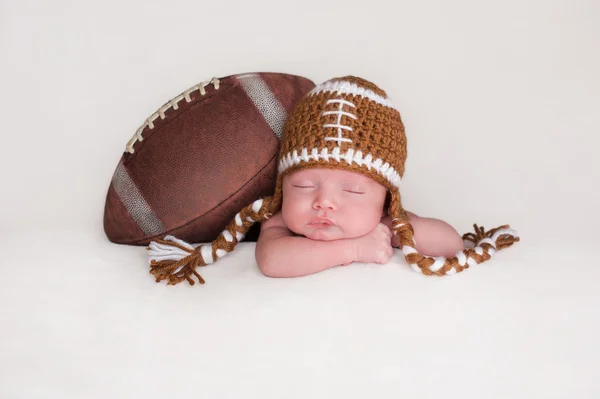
<point>329,233</point>
<point>320,235</point>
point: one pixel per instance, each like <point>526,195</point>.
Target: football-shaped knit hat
<point>344,123</point>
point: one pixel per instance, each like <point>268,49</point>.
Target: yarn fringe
<point>170,269</point>
<point>505,239</point>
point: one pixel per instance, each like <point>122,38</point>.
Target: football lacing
<point>161,112</point>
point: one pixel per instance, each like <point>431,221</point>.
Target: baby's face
<point>329,204</point>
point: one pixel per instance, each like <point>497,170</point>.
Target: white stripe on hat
<point>134,202</point>
<point>350,156</point>
<point>345,87</point>
<point>265,101</point>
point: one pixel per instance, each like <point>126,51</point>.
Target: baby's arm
<point>433,237</point>
<point>281,254</point>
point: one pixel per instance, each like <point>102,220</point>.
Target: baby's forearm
<point>294,256</point>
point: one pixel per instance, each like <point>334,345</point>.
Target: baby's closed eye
<point>303,185</point>
<point>355,192</point>
<point>354,189</point>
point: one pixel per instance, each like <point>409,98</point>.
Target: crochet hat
<point>345,123</point>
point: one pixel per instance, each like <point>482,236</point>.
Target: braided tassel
<point>175,260</point>
<point>486,244</point>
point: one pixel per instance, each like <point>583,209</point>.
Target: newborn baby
<point>333,217</point>
<point>337,195</point>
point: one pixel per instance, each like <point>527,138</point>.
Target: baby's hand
<point>374,247</point>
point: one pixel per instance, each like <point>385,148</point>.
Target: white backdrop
<point>501,106</point>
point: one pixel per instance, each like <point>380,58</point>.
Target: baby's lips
<point>319,221</point>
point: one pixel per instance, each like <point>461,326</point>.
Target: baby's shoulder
<point>274,221</point>
<point>275,227</point>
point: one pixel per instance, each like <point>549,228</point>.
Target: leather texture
<point>201,164</point>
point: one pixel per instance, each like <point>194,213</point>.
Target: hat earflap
<point>485,244</point>
<point>175,260</point>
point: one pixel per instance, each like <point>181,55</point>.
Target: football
<point>200,158</point>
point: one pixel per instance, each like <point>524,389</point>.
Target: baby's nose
<point>324,202</point>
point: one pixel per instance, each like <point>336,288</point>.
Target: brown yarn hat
<point>344,123</point>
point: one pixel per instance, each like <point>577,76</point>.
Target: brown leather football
<point>201,158</point>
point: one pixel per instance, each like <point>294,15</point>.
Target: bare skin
<point>334,218</point>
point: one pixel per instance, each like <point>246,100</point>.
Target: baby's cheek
<point>292,217</point>
<point>364,219</point>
